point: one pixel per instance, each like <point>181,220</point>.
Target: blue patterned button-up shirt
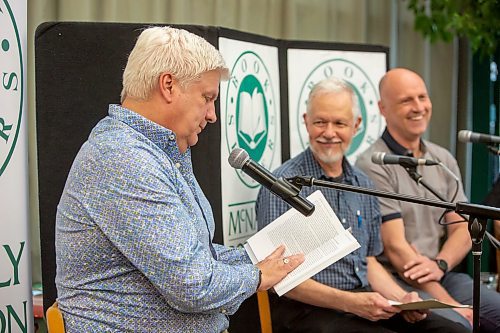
<point>358,211</point>
<point>133,238</point>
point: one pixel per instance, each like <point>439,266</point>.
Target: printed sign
<point>250,116</point>
<point>362,70</point>
<point>16,308</point>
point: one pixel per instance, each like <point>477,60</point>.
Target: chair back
<point>55,322</point>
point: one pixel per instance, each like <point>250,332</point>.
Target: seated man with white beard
<point>353,294</point>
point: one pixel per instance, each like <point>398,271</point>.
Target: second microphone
<point>239,159</point>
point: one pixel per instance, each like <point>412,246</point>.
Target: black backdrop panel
<point>79,70</point>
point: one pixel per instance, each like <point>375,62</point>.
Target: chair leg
<point>264,312</point>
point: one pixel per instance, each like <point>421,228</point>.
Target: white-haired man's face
<point>194,108</point>
<point>331,125</point>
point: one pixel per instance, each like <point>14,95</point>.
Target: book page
<point>320,236</point>
<point>427,304</point>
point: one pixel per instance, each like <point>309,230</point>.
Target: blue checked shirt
<point>349,272</point>
<point>133,238</point>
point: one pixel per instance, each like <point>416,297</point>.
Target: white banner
<point>363,70</point>
<point>16,308</point>
<point>250,119</point>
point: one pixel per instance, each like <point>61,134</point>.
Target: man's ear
<point>381,108</point>
<point>357,123</point>
<point>165,86</point>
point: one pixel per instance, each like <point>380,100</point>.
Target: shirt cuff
<point>391,216</point>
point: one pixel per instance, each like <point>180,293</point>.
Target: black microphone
<point>406,161</point>
<point>239,159</point>
<point>468,136</point>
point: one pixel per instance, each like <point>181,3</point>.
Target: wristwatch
<point>442,264</point>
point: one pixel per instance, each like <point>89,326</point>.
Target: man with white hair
<point>134,230</point>
<point>351,295</point>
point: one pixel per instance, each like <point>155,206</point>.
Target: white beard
<point>329,156</point>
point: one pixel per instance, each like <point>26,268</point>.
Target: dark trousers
<point>291,316</point>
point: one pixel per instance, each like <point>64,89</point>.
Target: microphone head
<point>378,157</point>
<point>464,136</point>
<point>238,158</point>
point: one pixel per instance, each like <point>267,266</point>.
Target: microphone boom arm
<point>459,207</point>
<point>478,216</point>
<point>412,171</point>
<point>494,150</point>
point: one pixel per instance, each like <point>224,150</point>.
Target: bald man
<point>419,250</point>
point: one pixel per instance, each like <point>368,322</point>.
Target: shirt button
<point>223,311</point>
<point>172,137</point>
<point>356,269</point>
<point>177,165</point>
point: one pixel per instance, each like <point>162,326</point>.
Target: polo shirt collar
<point>396,147</point>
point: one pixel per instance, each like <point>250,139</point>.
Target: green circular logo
<point>12,84</point>
<point>372,122</point>
<point>251,112</point>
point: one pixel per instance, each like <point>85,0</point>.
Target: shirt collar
<point>163,137</point>
<point>396,147</point>
<point>314,169</point>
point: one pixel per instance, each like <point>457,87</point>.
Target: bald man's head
<point>405,104</point>
<point>395,76</point>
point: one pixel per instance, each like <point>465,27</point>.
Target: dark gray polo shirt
<point>421,222</point>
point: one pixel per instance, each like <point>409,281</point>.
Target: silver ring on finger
<point>286,260</point>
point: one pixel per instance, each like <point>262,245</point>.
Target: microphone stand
<point>477,229</point>
<point>478,214</point>
<point>412,171</point>
<point>494,150</point>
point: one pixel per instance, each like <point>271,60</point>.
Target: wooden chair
<point>55,321</point>
<point>264,312</point>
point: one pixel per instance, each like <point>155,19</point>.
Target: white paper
<point>320,236</point>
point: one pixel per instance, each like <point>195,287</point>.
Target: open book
<point>320,236</point>
<point>426,304</point>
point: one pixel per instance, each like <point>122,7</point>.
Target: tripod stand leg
<point>477,228</point>
<point>476,295</point>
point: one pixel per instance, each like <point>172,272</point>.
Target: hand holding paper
<point>320,236</point>
<point>275,267</point>
<point>412,316</point>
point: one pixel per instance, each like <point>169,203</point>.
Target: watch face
<point>443,265</point>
